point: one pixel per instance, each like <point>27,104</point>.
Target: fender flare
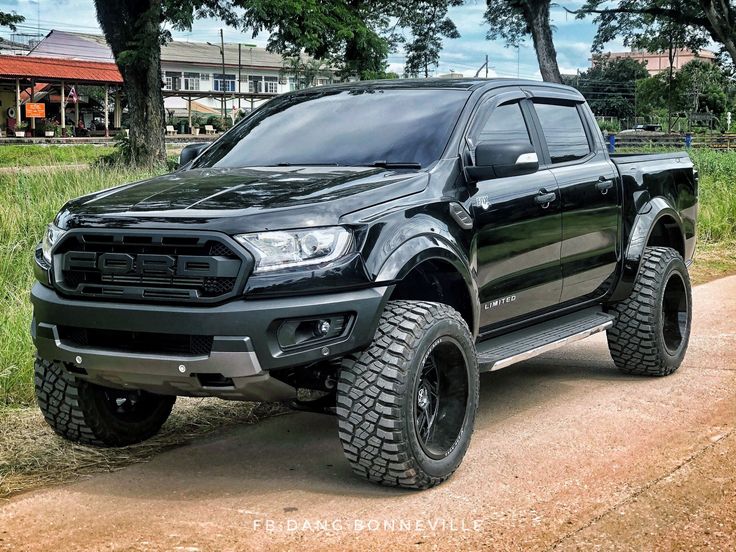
<point>641,231</point>
<point>423,248</point>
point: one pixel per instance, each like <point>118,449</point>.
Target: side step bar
<point>514,347</point>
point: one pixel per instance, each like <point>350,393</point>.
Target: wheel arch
<point>427,269</point>
<point>657,224</point>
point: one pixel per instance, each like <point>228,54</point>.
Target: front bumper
<point>244,352</point>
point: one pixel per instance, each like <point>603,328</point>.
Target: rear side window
<point>506,124</point>
<point>564,132</point>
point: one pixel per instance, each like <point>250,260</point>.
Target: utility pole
<point>486,65</point>
<point>239,75</point>
<point>222,54</point>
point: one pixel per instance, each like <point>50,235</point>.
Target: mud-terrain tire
<point>406,404</point>
<point>94,415</point>
<point>652,327</point>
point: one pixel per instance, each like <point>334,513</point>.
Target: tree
<point>714,18</point>
<point>610,85</point>
<point>429,24</point>
<point>513,20</point>
<point>351,34</point>
<point>134,31</point>
<point>10,20</point>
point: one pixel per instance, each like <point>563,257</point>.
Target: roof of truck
<point>469,84</point>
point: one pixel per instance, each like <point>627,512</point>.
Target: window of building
<point>204,77</point>
<point>223,83</point>
<point>506,124</point>
<point>258,84</point>
<point>191,81</point>
<point>172,80</point>
<point>271,85</point>
<point>564,132</point>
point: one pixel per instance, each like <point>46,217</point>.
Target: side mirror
<point>190,152</point>
<point>497,159</point>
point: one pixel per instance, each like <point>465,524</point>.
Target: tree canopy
<point>513,20</point>
<point>429,24</point>
<point>695,21</point>
<point>10,20</point>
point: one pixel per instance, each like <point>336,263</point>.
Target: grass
<point>34,155</point>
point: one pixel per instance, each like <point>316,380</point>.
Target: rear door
<point>589,191</point>
<point>516,238</point>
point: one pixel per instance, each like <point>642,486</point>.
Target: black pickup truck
<point>365,249</point>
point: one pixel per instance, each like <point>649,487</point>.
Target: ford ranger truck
<point>364,249</point>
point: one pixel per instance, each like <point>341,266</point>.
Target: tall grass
<point>30,155</point>
<point>717,207</point>
<point>29,201</point>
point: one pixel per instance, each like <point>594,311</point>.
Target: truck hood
<point>247,199</point>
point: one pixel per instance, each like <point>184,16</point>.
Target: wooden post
<point>63,109</point>
<point>118,118</point>
<point>17,103</point>
<point>189,113</point>
<point>76,106</point>
<point>33,97</point>
<point>107,114</point>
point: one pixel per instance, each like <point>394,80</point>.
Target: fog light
<point>323,328</point>
<point>293,333</point>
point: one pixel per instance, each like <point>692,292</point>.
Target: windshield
<point>348,127</point>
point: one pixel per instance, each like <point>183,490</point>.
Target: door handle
<point>545,198</point>
<point>604,185</point>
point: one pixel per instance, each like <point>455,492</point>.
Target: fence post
<point>688,140</point>
<point>611,143</point>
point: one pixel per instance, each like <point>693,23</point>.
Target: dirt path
<point>567,453</point>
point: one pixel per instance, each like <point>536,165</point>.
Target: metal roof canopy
<point>59,69</point>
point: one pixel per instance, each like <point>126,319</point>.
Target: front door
<point>516,234</point>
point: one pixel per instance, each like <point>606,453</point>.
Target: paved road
<point>567,454</point>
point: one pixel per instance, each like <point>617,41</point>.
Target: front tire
<point>406,405</point>
<point>652,327</point>
<point>94,415</point>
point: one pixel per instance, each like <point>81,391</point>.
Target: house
<point>656,62</point>
<point>193,71</point>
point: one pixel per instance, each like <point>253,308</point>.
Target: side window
<point>506,124</point>
<point>564,132</point>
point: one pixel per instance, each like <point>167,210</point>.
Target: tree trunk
<point>536,13</point>
<point>721,16</point>
<point>132,29</point>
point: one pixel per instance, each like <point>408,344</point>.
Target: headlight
<point>50,237</point>
<point>296,248</point>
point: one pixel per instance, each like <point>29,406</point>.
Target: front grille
<point>136,342</point>
<point>150,266</point>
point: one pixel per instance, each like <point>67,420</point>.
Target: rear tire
<point>406,405</point>
<point>652,327</point>
<point>94,415</point>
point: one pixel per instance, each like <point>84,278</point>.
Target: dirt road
<point>567,454</point>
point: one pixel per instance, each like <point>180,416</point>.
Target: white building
<point>193,71</point>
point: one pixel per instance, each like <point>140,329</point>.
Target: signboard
<point>36,110</point>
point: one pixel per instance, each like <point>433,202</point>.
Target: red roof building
<point>57,69</point>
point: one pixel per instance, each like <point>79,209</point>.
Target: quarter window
<point>564,132</point>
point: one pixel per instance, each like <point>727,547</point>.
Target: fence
<point>724,142</point>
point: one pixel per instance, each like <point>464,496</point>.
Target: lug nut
<point>78,360</point>
<point>182,368</point>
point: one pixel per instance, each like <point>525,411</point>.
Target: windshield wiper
<point>397,164</point>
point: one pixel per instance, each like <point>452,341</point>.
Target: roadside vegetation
<point>43,155</point>
<point>31,198</point>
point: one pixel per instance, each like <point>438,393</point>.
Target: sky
<point>466,54</point>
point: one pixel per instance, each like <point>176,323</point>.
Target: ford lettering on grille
<point>150,267</point>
